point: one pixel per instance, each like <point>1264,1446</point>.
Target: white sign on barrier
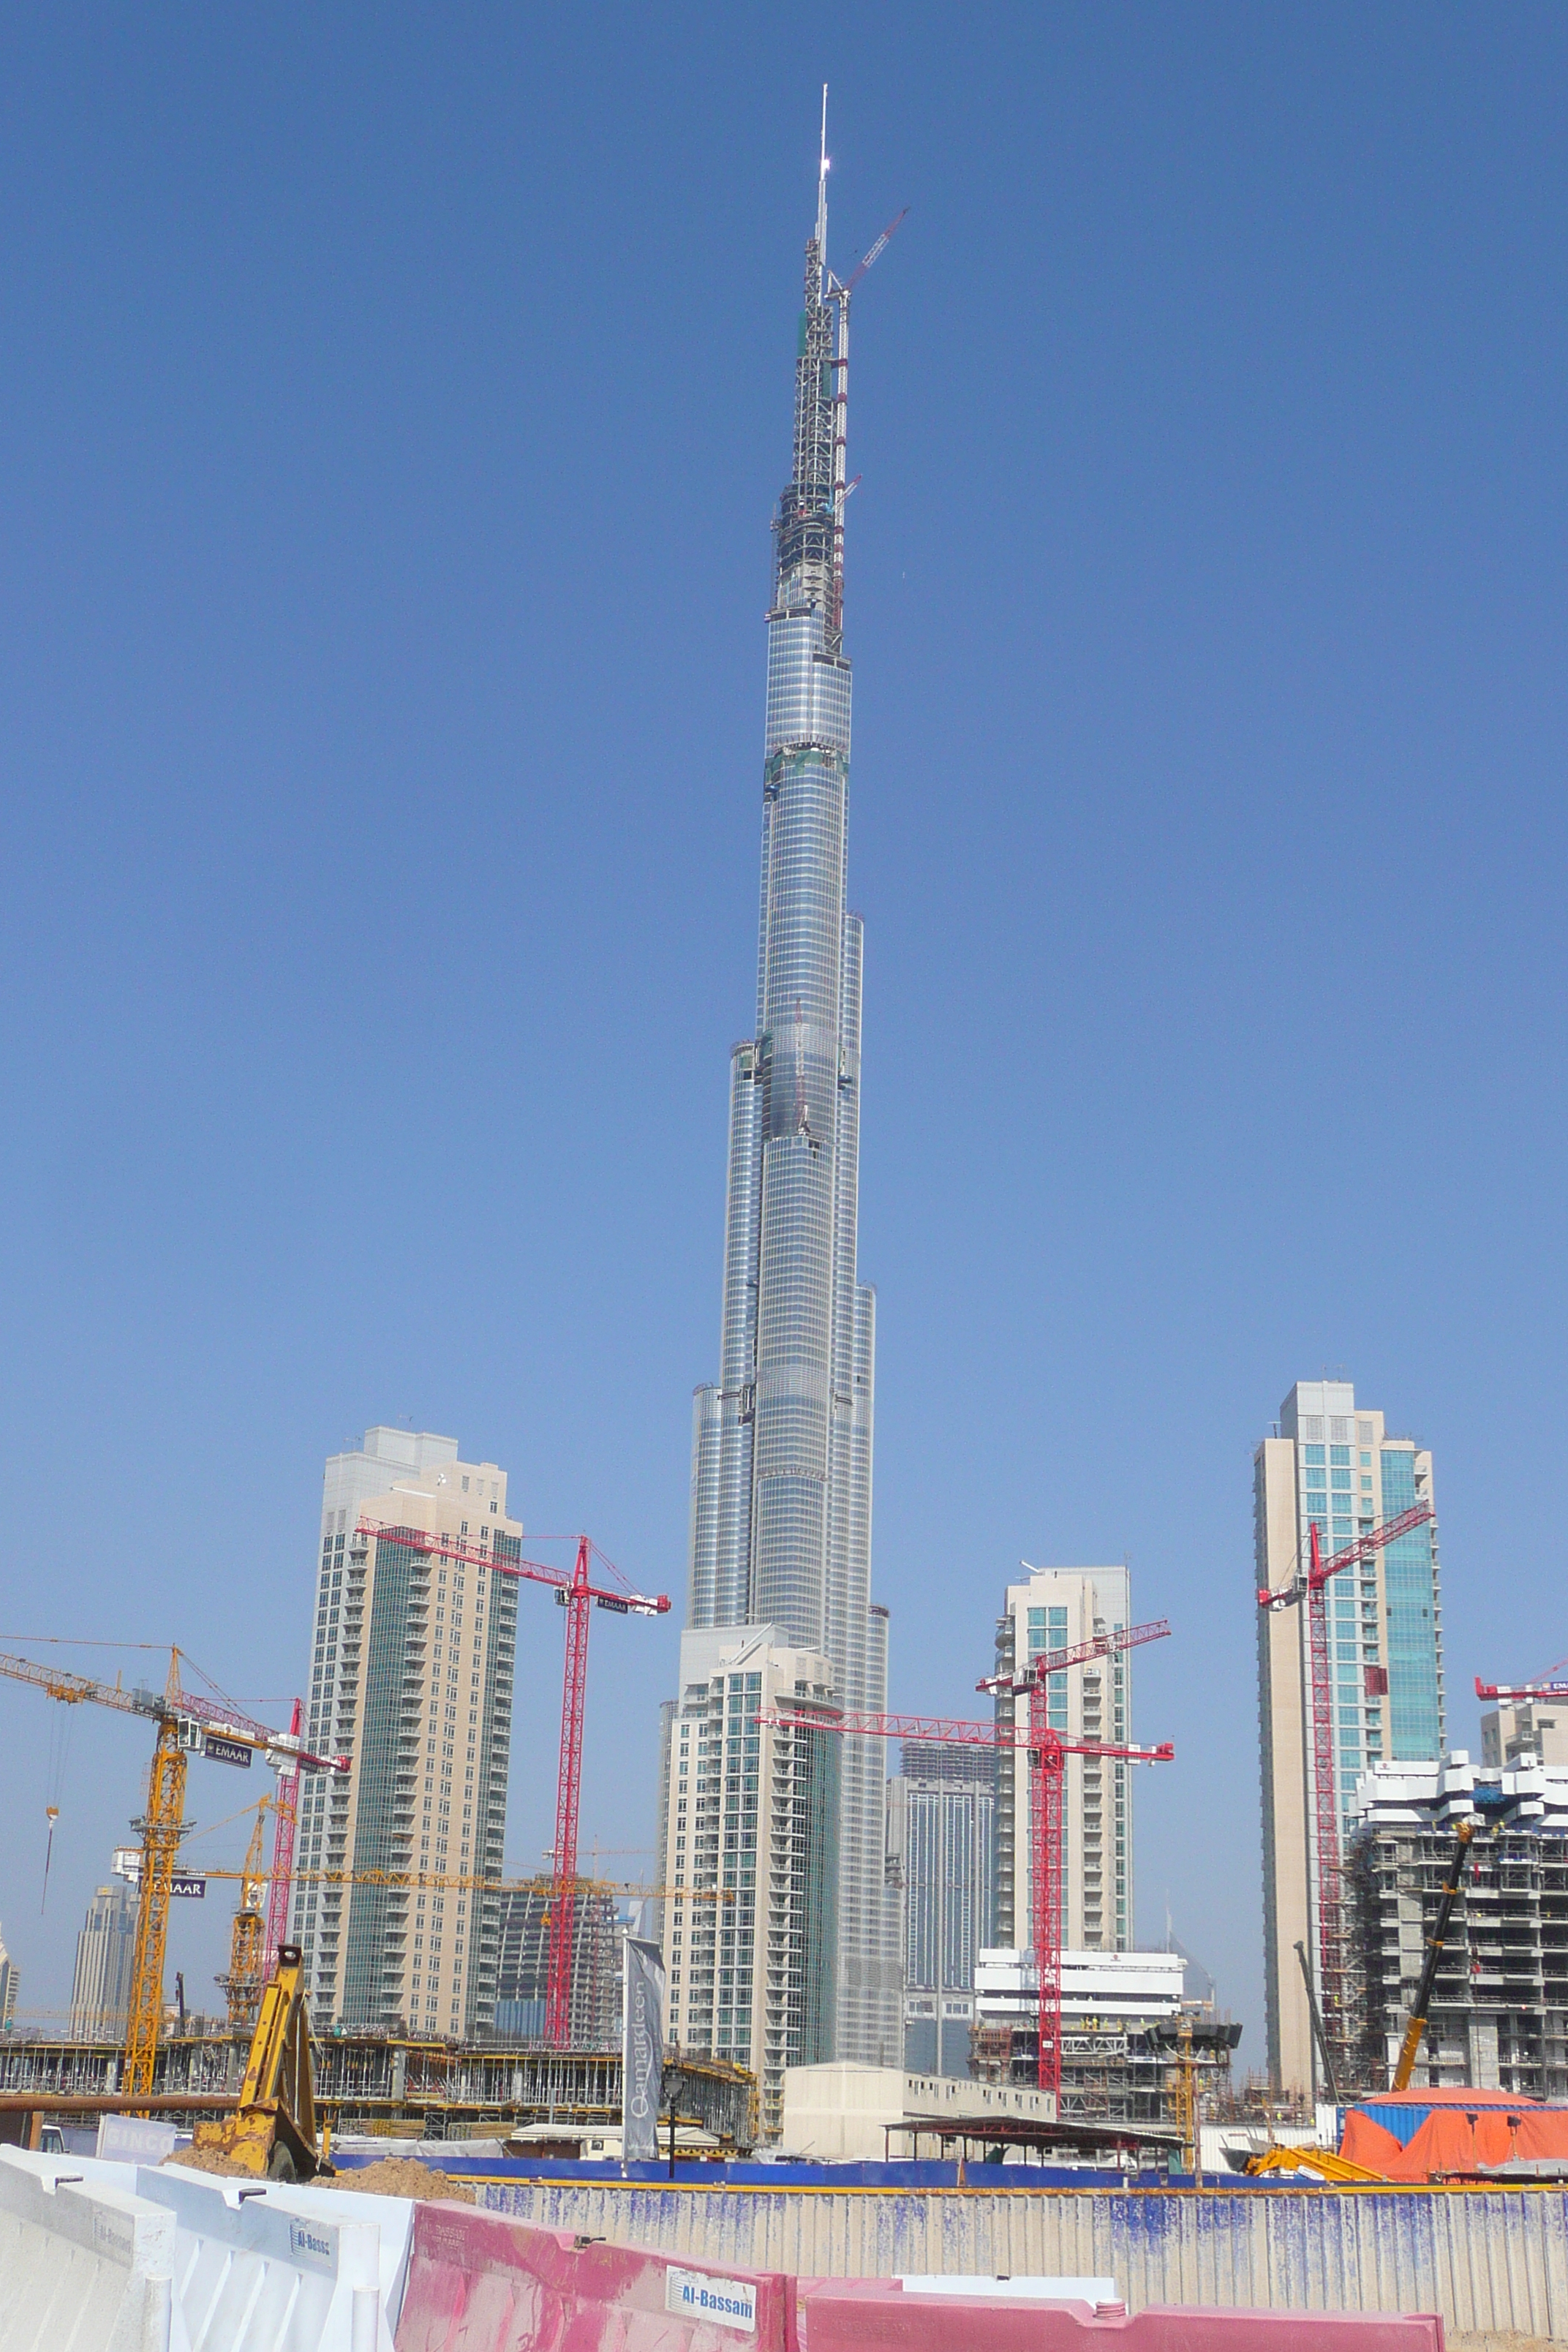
<point>135,2139</point>
<point>693,2294</point>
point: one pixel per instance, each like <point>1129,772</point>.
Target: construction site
<point>543,2017</point>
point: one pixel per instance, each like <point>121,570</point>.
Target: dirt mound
<point>401,2176</point>
<point>209,2160</point>
<point>389,2176</point>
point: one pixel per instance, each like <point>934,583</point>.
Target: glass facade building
<point>749,1848</point>
<point>522,1978</point>
<point>1334,1466</point>
<point>942,1839</point>
<point>781,1488</point>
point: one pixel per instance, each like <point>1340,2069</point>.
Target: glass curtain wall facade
<point>1333,1465</point>
<point>942,1835</point>
<point>105,1956</point>
<point>781,1492</point>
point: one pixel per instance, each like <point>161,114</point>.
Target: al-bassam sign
<point>731,2302</point>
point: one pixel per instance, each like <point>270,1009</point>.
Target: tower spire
<point>822,194</point>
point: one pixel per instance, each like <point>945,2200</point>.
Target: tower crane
<point>1311,1587</point>
<point>578,1594</point>
<point>1047,1751</point>
<point>189,1723</point>
<point>1546,1686</point>
<point>248,1971</point>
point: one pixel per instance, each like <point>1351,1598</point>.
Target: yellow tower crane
<point>248,1944</point>
<point>189,1723</point>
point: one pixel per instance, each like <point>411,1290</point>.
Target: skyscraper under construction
<point>781,1479</point>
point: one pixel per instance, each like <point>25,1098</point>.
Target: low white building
<point>840,2112</point>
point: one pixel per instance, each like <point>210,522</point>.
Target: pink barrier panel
<point>870,2316</point>
<point>479,2283</point>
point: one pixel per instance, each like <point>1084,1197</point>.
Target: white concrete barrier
<point>259,2269</point>
<point>86,2265</point>
<point>246,2266</point>
<point>393,2217</point>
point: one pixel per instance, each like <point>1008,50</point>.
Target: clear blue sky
<point>392,405</point>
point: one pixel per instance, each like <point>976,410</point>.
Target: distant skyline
<point>394,415</point>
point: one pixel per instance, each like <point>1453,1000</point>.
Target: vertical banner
<point>642,2049</point>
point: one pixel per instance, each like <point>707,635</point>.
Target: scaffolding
<point>1497,2015</point>
<point>1112,2075</point>
<point>384,2083</point>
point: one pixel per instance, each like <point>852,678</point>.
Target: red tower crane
<point>577,1593</point>
<point>1312,1587</point>
<point>1048,1750</point>
<point>1546,1687</point>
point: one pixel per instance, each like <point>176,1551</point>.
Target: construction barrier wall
<point>1484,2259</point>
<point>478,2283</point>
<point>80,2265</point>
<point>256,2267</point>
<point>103,2256</point>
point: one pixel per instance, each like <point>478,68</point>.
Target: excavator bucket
<point>273,2132</point>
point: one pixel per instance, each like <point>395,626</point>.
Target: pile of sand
<point>401,2176</point>
<point>209,2160</point>
<point>389,2176</point>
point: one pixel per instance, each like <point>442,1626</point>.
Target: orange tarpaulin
<point>1456,2137</point>
<point>1367,2143</point>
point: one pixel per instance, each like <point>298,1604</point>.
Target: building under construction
<point>1123,2016</point>
<point>523,1981</point>
<point>1497,2016</point>
<point>388,2083</point>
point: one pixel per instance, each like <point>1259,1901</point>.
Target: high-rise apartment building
<point>412,1677</point>
<point>1518,1729</point>
<point>942,1849</point>
<point>781,1480</point>
<point>749,1825</point>
<point>1332,1463</point>
<point>1055,1609</point>
<point>105,1954</point>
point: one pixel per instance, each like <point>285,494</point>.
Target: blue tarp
<point>904,2174</point>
